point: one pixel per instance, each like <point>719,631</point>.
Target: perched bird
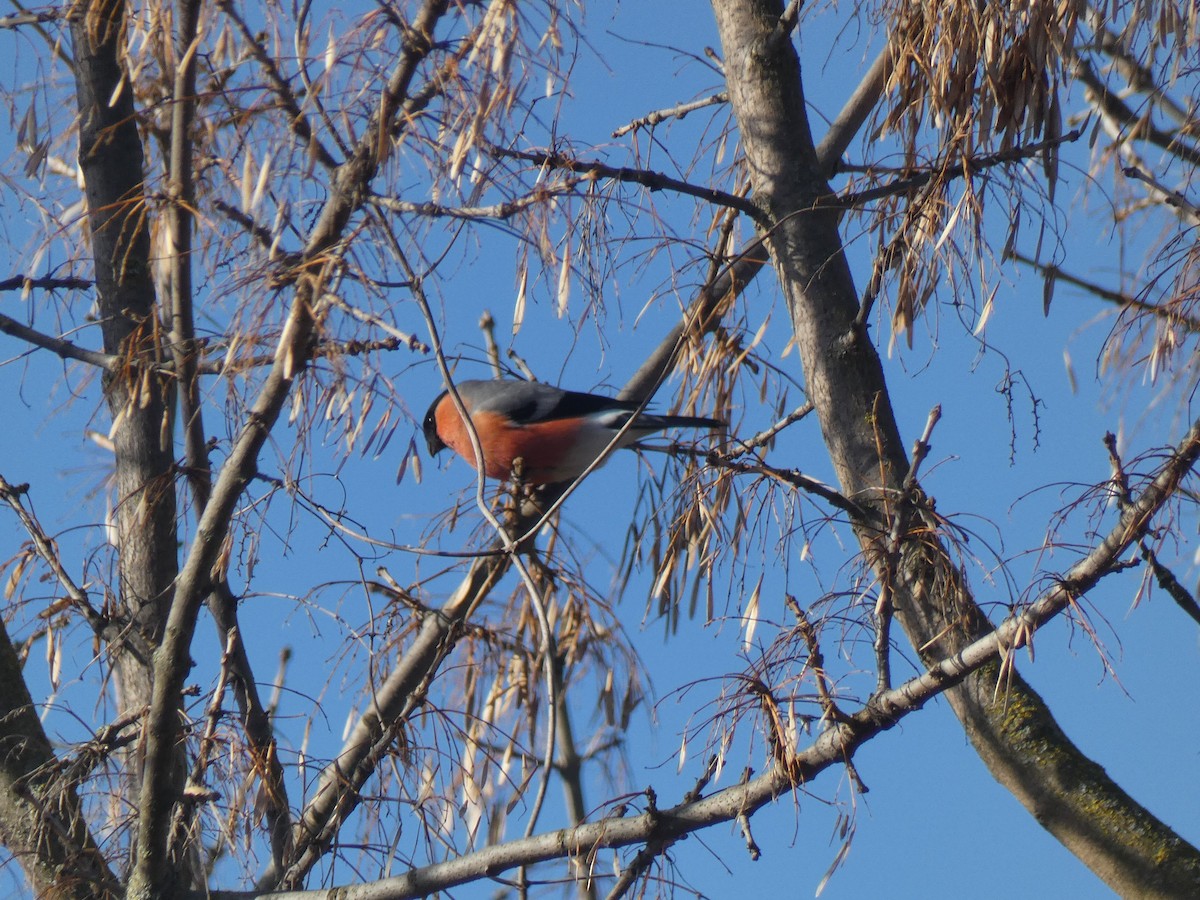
<point>557,434</point>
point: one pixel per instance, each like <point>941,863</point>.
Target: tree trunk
<point>1014,734</point>
<point>41,823</point>
<point>138,395</point>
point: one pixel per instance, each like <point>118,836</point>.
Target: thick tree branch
<point>180,221</point>
<point>160,788</point>
<point>855,113</point>
<point>1016,736</point>
<point>63,349</point>
<point>187,355</point>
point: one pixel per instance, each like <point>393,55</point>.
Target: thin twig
<point>107,739</point>
<point>279,85</point>
<point>1111,296</point>
<point>901,517</point>
<point>1164,576</point>
<point>956,167</point>
<point>409,340</point>
<point>655,848</point>
<point>29,18</point>
<point>1170,196</point>
<point>487,324</point>
<point>793,478</point>
<point>765,436</point>
<point>12,494</point>
<point>678,111</point>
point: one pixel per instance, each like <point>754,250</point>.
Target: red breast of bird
<point>557,434</point>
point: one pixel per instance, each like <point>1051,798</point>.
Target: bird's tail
<point>648,422</point>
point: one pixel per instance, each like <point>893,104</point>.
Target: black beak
<point>433,440</point>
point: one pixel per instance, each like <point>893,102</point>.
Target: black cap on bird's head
<point>433,440</point>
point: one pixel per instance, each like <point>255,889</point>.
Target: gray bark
<point>41,822</point>
<point>110,155</point>
<point>1014,733</point>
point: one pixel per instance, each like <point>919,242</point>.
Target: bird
<point>557,434</point>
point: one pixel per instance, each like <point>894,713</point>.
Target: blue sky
<point>934,821</point>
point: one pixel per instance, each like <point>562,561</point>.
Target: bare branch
<point>788,20</point>
<point>679,111</point>
<point>1170,583</point>
<point>656,848</point>
<point>1127,125</point>
<point>655,181</point>
<point>766,435</point>
<point>1135,73</point>
<point>1170,197</point>
<point>46,283</point>
<point>296,118</point>
<point>1123,300</point>
<point>540,195</point>
<point>796,479</point>
<point>29,18</point>
<point>856,111</point>
<point>64,349</point>
<point>948,168</point>
<point>1165,577</point>
<point>398,338</point>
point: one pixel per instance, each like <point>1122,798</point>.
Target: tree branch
<point>63,349</point>
<point>295,114</point>
<point>1129,126</point>
<point>1125,301</point>
<point>679,111</point>
<point>855,113</point>
<point>655,181</point>
<point>539,195</point>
